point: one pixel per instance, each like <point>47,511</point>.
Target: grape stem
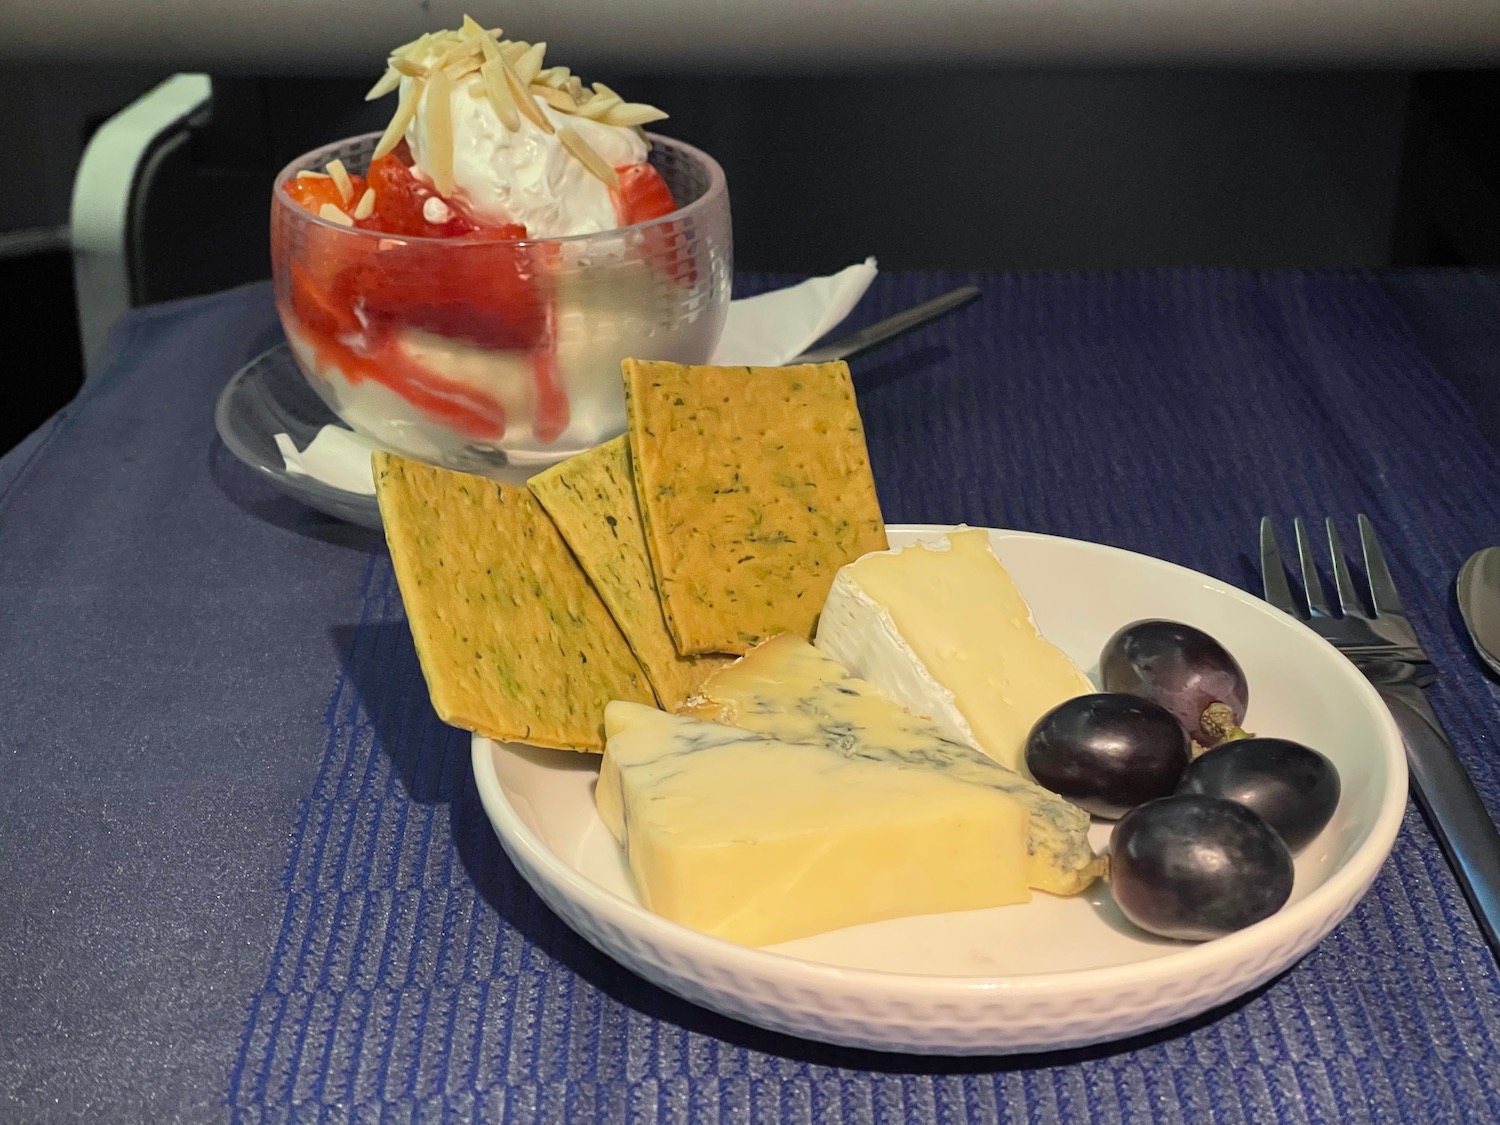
<point>1218,722</point>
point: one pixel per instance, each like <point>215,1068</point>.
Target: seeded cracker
<point>591,499</point>
<point>755,487</point>
<point>513,640</point>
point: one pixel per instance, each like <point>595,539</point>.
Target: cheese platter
<point>1056,972</point>
<point>909,788</point>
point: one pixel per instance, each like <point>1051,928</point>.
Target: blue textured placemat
<point>416,975</point>
<point>248,877</point>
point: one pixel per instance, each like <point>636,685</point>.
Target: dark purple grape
<point>1291,787</point>
<point>1185,670</point>
<point>1194,867</point>
<point>1108,753</point>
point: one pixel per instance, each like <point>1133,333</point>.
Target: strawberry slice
<point>480,291</point>
<point>642,195</point>
<point>312,192</point>
<point>322,250</point>
<point>399,201</point>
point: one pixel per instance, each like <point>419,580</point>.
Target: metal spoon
<point>1479,603</point>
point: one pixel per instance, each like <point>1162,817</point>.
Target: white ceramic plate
<point>1054,972</point>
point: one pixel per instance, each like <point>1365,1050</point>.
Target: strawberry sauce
<point>481,287</point>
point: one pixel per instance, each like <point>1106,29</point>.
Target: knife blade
<point>884,331</point>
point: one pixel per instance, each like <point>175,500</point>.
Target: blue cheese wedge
<point>789,690</point>
<point>757,840</point>
<point>942,630</point>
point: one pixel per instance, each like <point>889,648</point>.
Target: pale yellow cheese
<point>760,841</point>
<point>791,691</point>
<point>944,632</point>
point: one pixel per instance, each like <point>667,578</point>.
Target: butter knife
<point>884,331</point>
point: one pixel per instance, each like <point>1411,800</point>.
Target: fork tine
<point>1272,573</point>
<point>1383,596</point>
<point>1342,579</point>
<point>1312,586</point>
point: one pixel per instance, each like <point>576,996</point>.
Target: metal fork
<point>1382,644</point>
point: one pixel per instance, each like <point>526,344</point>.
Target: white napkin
<point>335,456</point>
<point>762,331</point>
<point>768,330</point>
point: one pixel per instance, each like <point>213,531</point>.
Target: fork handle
<point>1443,788</point>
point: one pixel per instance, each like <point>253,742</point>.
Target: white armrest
<point>103,191</point>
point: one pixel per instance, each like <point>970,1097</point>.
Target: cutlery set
<point>1381,643</point>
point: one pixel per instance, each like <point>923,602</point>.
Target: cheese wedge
<point>943,631</point>
<point>789,690</point>
<point>758,841</point>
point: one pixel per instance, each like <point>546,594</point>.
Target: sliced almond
<point>437,117</point>
<point>591,160</point>
<point>458,71</point>
<point>498,90</point>
<point>341,180</point>
<point>366,205</point>
<point>600,104</point>
<point>560,100</point>
<point>389,81</point>
<point>309,174</point>
<point>405,111</point>
<point>529,65</point>
<point>491,52</point>
<point>633,113</point>
<point>334,215</point>
<point>458,52</point>
<point>561,78</point>
<point>524,101</point>
<point>416,47</point>
<point>513,76</point>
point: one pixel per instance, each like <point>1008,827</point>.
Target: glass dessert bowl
<point>457,289</point>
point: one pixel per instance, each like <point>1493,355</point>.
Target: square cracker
<point>513,640</point>
<point>591,499</point>
<point>754,486</point>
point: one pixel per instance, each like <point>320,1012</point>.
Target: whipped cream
<point>527,176</point>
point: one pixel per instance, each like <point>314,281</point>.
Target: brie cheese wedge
<point>941,629</point>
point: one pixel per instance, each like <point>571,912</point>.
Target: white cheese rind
<point>943,630</point>
<point>858,632</point>
<point>758,840</point>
